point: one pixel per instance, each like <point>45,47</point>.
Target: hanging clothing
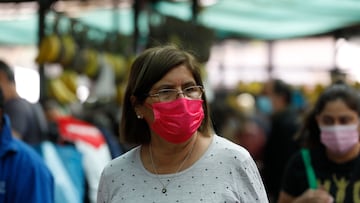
<point>65,162</point>
<point>90,142</point>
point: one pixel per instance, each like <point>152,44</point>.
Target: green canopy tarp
<point>258,19</point>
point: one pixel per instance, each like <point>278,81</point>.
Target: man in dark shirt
<point>280,143</point>
<point>27,119</point>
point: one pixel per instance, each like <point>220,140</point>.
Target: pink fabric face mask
<point>178,120</point>
<point>339,138</point>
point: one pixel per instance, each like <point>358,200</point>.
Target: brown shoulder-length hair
<point>147,69</point>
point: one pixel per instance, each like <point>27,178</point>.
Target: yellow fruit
<point>60,92</point>
<point>69,78</point>
<point>91,67</point>
<point>68,50</point>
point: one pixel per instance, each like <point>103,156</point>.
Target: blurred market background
<point>244,41</point>
<point>78,53</point>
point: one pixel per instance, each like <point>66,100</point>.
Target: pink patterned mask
<point>339,138</point>
<point>178,120</point>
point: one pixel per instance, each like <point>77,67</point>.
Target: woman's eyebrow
<point>173,86</point>
<point>187,84</point>
<point>164,86</point>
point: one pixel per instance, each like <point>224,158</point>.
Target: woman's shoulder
<point>123,161</point>
<point>227,148</point>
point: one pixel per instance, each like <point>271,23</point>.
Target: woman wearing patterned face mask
<point>330,170</point>
<point>178,158</point>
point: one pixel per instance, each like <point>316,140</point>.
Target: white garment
<point>225,173</point>
<point>64,189</point>
<point>94,161</point>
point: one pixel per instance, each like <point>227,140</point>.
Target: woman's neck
<point>167,159</point>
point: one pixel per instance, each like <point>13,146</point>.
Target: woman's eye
<point>345,120</point>
<point>328,121</point>
<point>189,89</point>
<point>165,91</point>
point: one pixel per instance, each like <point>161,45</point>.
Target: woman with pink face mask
<point>176,155</point>
<point>330,172</point>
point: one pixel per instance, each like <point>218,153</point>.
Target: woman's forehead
<point>337,107</point>
<point>176,77</point>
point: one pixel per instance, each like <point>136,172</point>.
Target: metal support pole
<point>43,7</point>
<point>270,67</point>
<point>136,8</point>
<point>194,10</point>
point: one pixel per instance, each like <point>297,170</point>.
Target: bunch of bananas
<point>64,87</point>
<point>68,50</point>
<point>70,78</point>
<point>57,48</point>
<point>49,51</point>
<point>91,68</point>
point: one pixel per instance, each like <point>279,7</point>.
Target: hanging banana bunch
<point>70,80</point>
<point>68,49</point>
<point>59,91</point>
<point>50,45</point>
<point>91,68</point>
<point>49,49</point>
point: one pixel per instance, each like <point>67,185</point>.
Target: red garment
<point>72,129</point>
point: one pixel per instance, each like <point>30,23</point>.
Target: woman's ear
<point>135,105</point>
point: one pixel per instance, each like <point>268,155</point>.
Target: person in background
<point>23,175</point>
<point>28,120</point>
<point>331,135</point>
<point>177,157</point>
<point>280,143</point>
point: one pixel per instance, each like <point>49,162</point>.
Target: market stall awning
<point>263,19</point>
<point>258,19</point>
